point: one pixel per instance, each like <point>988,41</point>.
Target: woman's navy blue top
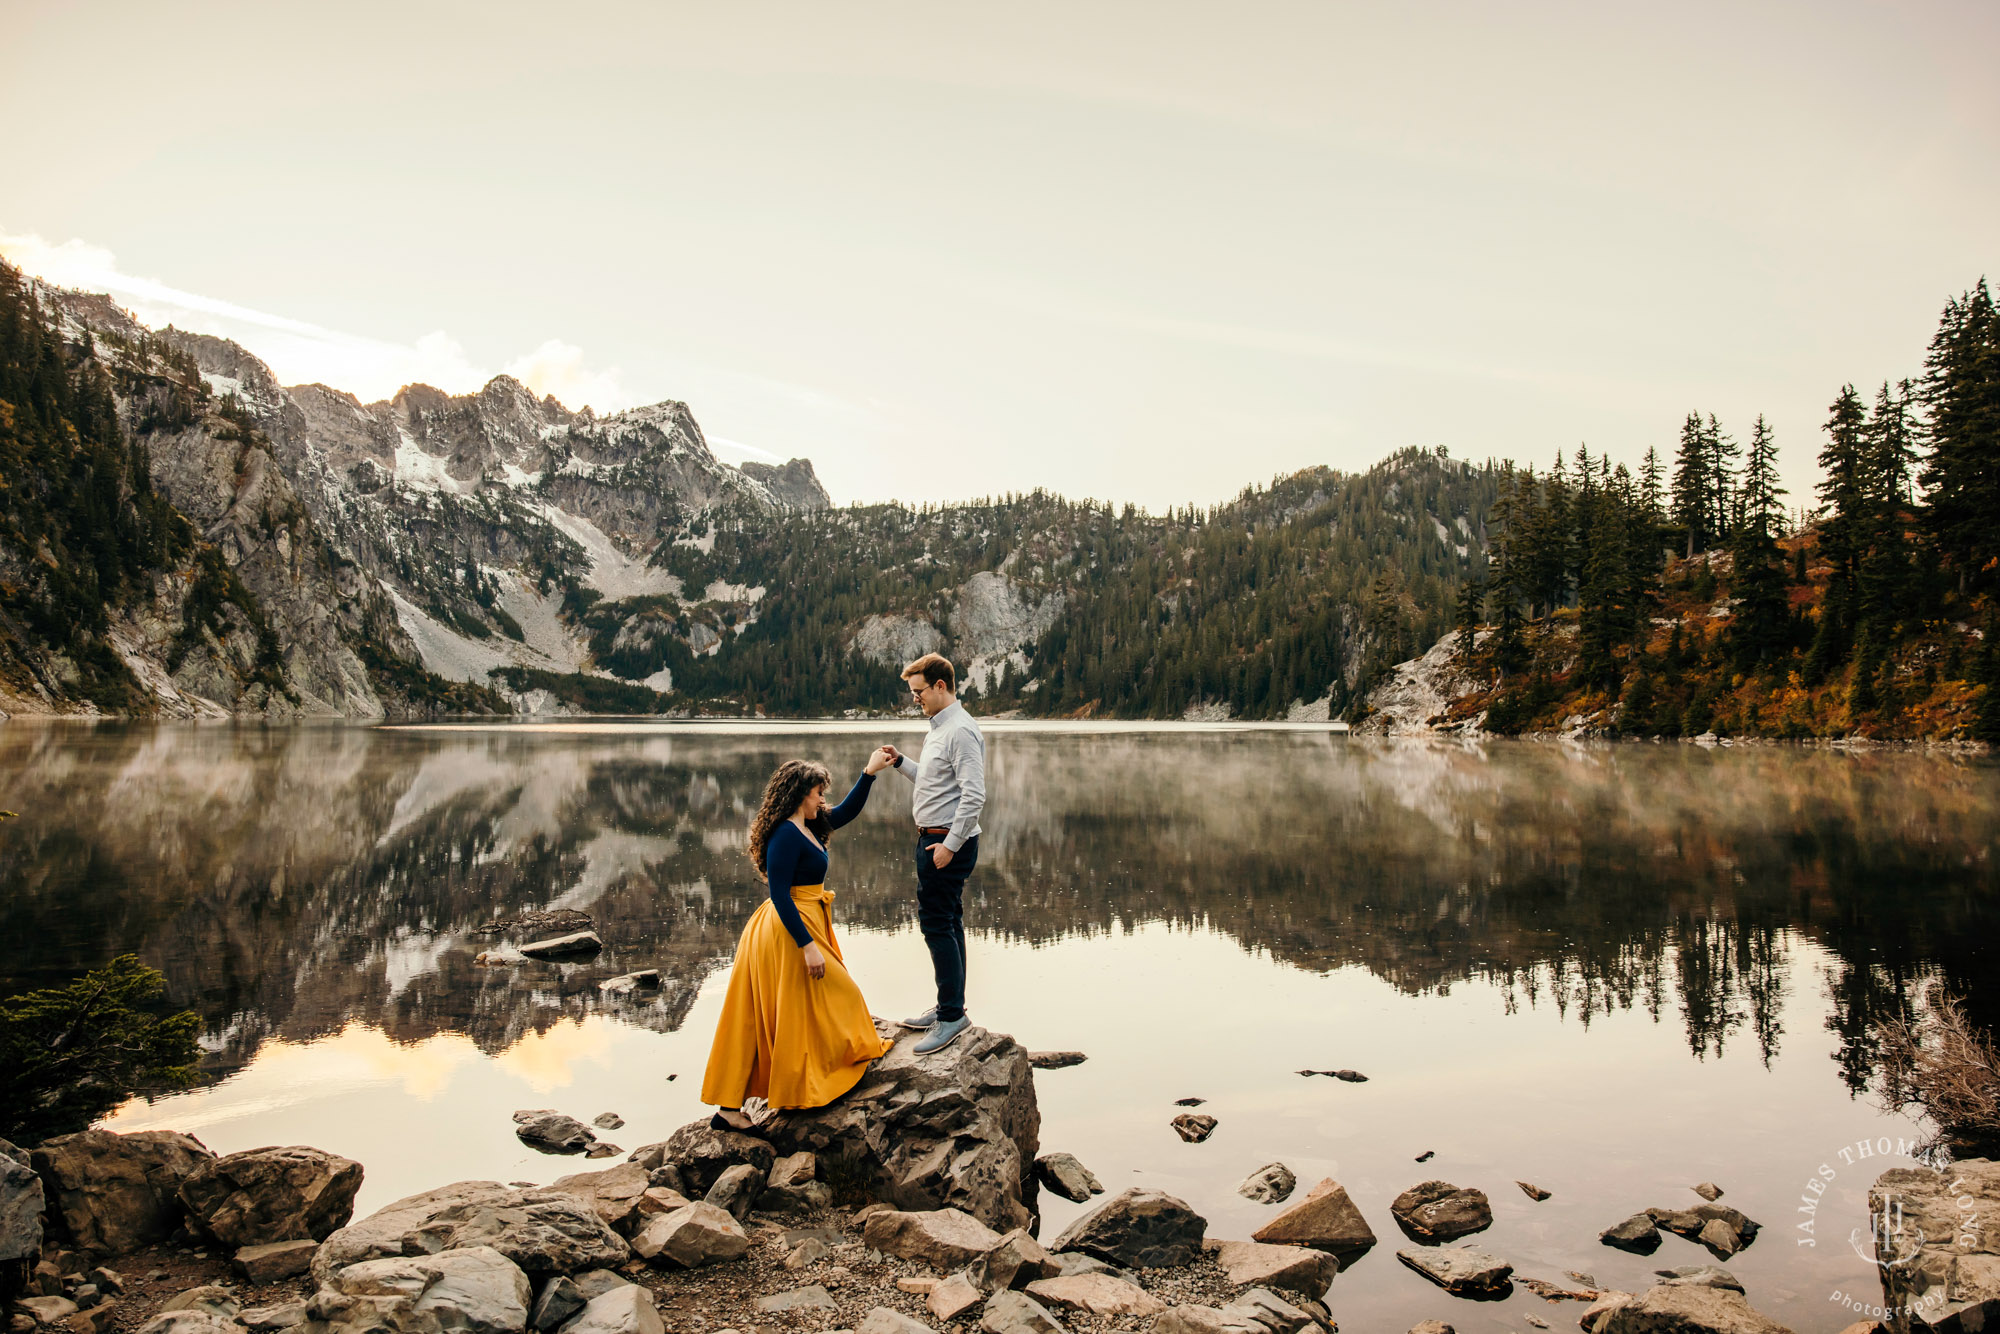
<point>791,858</point>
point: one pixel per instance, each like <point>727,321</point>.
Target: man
<point>950,779</point>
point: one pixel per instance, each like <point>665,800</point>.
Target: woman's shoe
<point>721,1122</point>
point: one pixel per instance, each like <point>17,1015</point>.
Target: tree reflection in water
<point>288,882</point>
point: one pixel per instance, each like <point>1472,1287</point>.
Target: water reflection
<point>289,882</point>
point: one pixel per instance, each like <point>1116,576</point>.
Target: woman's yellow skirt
<point>784,1036</point>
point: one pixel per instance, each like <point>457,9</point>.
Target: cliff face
<point>352,559</point>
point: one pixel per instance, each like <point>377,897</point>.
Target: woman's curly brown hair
<point>788,788</point>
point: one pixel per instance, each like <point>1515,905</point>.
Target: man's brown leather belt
<point>934,829</point>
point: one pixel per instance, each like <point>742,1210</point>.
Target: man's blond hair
<point>933,667</point>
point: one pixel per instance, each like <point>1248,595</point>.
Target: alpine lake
<point>1610,971</point>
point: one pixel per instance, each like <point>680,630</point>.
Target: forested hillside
<point>1687,605</point>
<point>1291,594</point>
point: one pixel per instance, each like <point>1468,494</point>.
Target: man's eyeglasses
<point>917,692</point>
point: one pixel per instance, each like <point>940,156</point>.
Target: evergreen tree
<point>1843,494</point>
<point>1961,397</point>
<point>1758,630</point>
<point>1690,495</point>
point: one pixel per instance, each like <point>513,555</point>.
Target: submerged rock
<point>1700,1276</point>
<point>1193,1127</point>
<point>1055,1060</point>
<point>1139,1229</point>
<point>1440,1211</point>
<point>553,1132</point>
<point>1459,1270</point>
<point>957,1128</point>
<point>556,947</point>
<point>1636,1234</point>
<point>1272,1183</point>
<point>1067,1177</point>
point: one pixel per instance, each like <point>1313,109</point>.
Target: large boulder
<point>1941,1271</point>
<point>627,1309</point>
<point>1140,1229</point>
<point>1440,1211</point>
<point>1326,1219</point>
<point>701,1154</point>
<point>260,1196</point>
<point>941,1238</point>
<point>699,1234</point>
<point>1460,1270</point>
<point>475,1290</point>
<point>617,1194</point>
<point>958,1128</point>
<point>115,1193</point>
<point>542,1230</point>
<point>21,1205</point>
<point>1687,1309</point>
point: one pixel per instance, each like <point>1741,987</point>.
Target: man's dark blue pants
<point>941,917</point>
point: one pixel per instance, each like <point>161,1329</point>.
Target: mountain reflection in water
<point>289,882</point>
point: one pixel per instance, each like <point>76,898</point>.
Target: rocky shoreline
<point>908,1205</point>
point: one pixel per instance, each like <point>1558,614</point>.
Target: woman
<point>794,1028</point>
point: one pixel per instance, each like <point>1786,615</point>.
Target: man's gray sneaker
<point>927,1019</point>
<point>942,1035</point>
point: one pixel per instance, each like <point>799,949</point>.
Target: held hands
<point>883,757</point>
<point>815,960</point>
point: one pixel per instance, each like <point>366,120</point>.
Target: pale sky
<point>1149,251</point>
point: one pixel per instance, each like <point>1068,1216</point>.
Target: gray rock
<point>1720,1238</point>
<point>1195,1319</point>
<point>1139,1229</point>
<point>629,1308</point>
<point>211,1298</point>
<point>736,1190</point>
<point>262,1196</point>
<point>1272,1183</point>
<point>117,1193</point>
<point>46,1310</point>
<point>608,1121</point>
<point>555,1303</point>
<point>617,1194</point>
<point>882,1320</point>
<point>1095,1294</point>
<point>594,1283</point>
<point>21,1205</point>
<point>1440,1211</point>
<point>650,1156</point>
<point>794,1169</point>
<point>1325,1219</point>
<point>1432,1327</point>
<point>1300,1269</point>
<point>1708,1190</point>
<point>552,1132</point>
<point>557,947</point>
<point>628,984</point>
<point>1636,1234</point>
<point>1055,1060</point>
<point>542,1230</point>
<point>1688,1309</point>
<point>1269,1312</point>
<point>1940,1266</point>
<point>271,1319</point>
<point>1014,1313</point>
<point>811,1298</point>
<point>1069,1263</point>
<point>1193,1127</point>
<point>1532,1191</point>
<point>807,1254</point>
<point>701,1154</point>
<point>698,1235</point>
<point>475,1290</point>
<point>1015,1263</point>
<point>1067,1177</point>
<point>941,1238</point>
<point>189,1322</point>
<point>275,1260</point>
<point>1701,1276</point>
<point>1459,1269</point>
<point>958,1128</point>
